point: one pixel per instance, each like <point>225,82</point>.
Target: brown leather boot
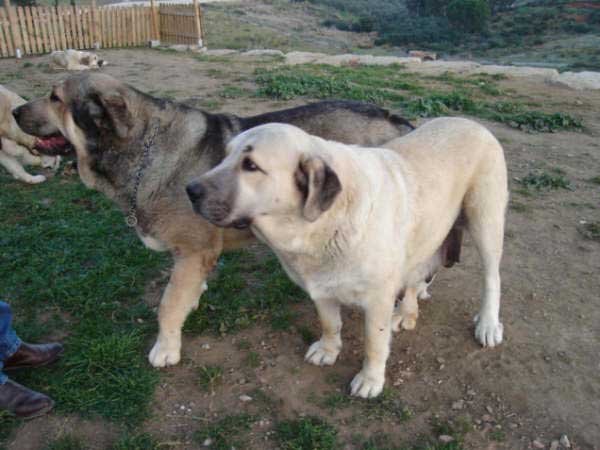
<point>30,355</point>
<point>23,402</point>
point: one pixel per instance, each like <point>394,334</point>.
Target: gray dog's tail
<point>399,121</point>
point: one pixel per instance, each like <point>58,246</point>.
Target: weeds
<point>209,377</point>
<point>67,442</point>
<point>143,441</point>
<point>307,433</point>
<point>253,360</point>
<point>546,181</point>
<point>590,230</point>
<point>224,433</point>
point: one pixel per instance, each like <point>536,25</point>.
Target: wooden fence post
<point>14,29</point>
<point>198,25</point>
<point>95,28</point>
<point>155,41</point>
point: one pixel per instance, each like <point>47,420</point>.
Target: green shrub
<point>469,15</point>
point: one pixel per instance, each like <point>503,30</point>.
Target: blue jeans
<point>9,341</point>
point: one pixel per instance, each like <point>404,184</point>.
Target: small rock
<point>205,346</point>
<point>513,425</point>
<point>487,418</point>
<point>207,442</point>
<point>445,439</point>
<point>537,444</point>
<point>471,392</point>
<point>564,441</point>
<point>182,408</point>
<point>554,445</point>
<point>245,398</point>
<point>459,404</point>
<point>440,360</point>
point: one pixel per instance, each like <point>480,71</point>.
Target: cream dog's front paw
<point>367,385</point>
<point>322,353</point>
<point>488,330</point>
<point>166,352</point>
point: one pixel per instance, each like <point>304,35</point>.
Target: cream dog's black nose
<point>195,191</point>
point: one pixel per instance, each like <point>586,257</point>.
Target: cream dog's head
<point>271,170</point>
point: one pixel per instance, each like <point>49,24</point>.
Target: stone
<point>207,442</point>
<point>537,444</point>
<point>245,398</point>
<point>564,441</point>
<point>265,52</point>
<point>487,418</point>
<point>445,439</point>
<point>459,404</point>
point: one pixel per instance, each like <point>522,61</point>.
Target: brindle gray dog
<point>141,152</point>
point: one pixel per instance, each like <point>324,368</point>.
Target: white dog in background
<point>363,226</point>
<point>76,60</point>
<point>16,147</point>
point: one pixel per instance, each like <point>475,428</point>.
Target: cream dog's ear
<point>319,185</point>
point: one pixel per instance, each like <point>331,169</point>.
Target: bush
<point>469,15</point>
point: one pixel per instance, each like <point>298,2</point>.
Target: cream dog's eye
<point>249,166</point>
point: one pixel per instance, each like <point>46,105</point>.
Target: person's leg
<point>9,341</point>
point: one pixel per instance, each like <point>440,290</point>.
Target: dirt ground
<point>541,383</point>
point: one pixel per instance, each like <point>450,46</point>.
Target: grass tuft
<point>143,441</point>
<point>67,442</point>
<point>590,230</point>
<point>307,433</point>
<point>546,181</point>
<point>209,377</point>
<point>224,433</point>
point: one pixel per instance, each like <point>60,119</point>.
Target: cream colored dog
<point>358,226</point>
<point>76,60</point>
<point>16,147</point>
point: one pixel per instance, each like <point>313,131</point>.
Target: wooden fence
<point>40,29</point>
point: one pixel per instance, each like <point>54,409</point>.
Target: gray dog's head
<point>81,110</point>
<point>273,170</point>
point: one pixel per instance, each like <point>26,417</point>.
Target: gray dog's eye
<point>249,166</point>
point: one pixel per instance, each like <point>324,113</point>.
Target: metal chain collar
<point>131,219</point>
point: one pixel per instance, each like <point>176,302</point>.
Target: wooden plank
<point>24,33</point>
<point>14,29</point>
<point>103,27</point>
<point>54,30</point>
<point>61,38</point>
<point>114,26</point>
<point>134,25</point>
<point>106,27</point>
<point>37,26</point>
<point>40,20</point>
<point>81,27</point>
<point>123,24</point>
<point>85,27</point>
<point>133,34</point>
<point>48,29</point>
<point>78,29</point>
<point>30,29</point>
<point>4,33</point>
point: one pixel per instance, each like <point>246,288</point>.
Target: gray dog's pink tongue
<point>52,143</point>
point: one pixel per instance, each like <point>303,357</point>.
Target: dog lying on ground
<point>358,226</point>
<point>16,146</point>
<point>121,135</point>
<point>76,60</point>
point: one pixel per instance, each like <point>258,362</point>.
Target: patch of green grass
<point>387,405</point>
<point>247,289</point>
<point>67,442</point>
<point>498,436</point>
<point>225,433</point>
<point>209,377</point>
<point>307,433</point>
<point>244,344</point>
<point>233,92</point>
<point>308,337</point>
<point>253,360</point>
<point>519,207</point>
<point>590,230</point>
<point>595,180</point>
<point>456,428</point>
<point>538,121</point>
<point>142,441</point>
<point>84,274</point>
<point>325,82</point>
<point>543,180</point>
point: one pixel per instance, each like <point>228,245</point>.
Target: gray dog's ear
<point>318,183</point>
<point>111,112</point>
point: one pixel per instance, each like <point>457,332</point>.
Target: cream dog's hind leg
<point>485,214</point>
<point>326,350</point>
<point>17,171</point>
<point>407,312</point>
